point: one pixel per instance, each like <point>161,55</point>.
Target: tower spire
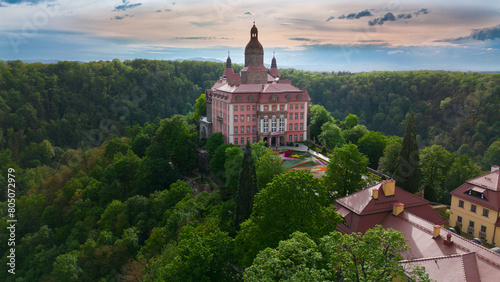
<point>229,64</point>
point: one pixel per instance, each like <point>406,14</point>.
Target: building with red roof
<point>475,207</point>
<point>445,255</point>
<point>256,104</point>
<point>368,207</point>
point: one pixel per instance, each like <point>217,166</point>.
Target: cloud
<point>389,17</point>
<point>380,21</point>
<point>121,17</point>
<point>404,16</point>
<point>330,18</point>
<point>299,39</point>
<point>247,13</point>
<point>394,52</point>
<point>352,16</point>
<point>17,2</point>
<point>489,33</point>
<point>167,10</point>
<point>422,11</point>
<point>126,6</point>
<point>202,38</point>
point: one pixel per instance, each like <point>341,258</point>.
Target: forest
<point>104,156</point>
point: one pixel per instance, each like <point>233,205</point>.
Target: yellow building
<point>475,207</point>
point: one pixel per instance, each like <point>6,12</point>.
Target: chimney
<point>437,230</point>
<point>448,241</point>
<point>494,168</point>
<point>389,186</point>
<point>375,193</point>
<point>397,208</point>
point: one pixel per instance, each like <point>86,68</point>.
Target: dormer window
<point>238,99</point>
<point>250,98</point>
<point>477,192</point>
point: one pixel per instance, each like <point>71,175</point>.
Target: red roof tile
<point>419,232</point>
<point>490,200</point>
<point>456,268</point>
<point>490,181</point>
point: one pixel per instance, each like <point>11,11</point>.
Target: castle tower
<point>254,71</point>
<point>254,52</point>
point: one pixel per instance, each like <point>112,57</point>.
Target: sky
<point>315,35</point>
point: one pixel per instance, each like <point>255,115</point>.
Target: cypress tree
<point>408,173</point>
<point>247,187</point>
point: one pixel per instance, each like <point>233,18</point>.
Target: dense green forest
<point>452,109</point>
<point>104,155</point>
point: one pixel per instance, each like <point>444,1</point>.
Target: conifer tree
<point>408,172</point>
<point>247,187</point>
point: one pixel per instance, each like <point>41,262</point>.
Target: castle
<point>257,104</point>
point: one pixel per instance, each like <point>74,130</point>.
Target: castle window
<point>248,108</point>
<point>273,124</point>
<point>242,118</point>
<point>238,98</point>
<point>250,98</point>
<point>235,129</point>
<point>274,108</point>
<point>253,130</point>
<point>235,108</point>
<point>282,124</point>
<point>235,141</point>
<point>299,97</point>
<point>248,117</point>
<point>301,106</point>
<point>282,107</point>
<point>274,98</point>
<point>253,118</point>
<point>301,137</point>
<point>291,116</point>
<point>295,126</point>
<point>235,118</point>
<point>288,97</point>
<point>296,106</point>
<point>266,125</point>
<point>302,116</point>
<point>290,127</point>
<point>253,108</point>
<point>242,108</point>
<point>301,126</point>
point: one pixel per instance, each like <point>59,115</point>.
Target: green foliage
<point>232,166</point>
<point>293,201</point>
<point>200,107</point>
<point>295,259</point>
<point>491,156</point>
<point>355,133</point>
<point>268,166</point>
<point>373,256</point>
<point>435,161</point>
<point>65,268</point>
<point>214,141</point>
<point>408,173</point>
<point>247,187</point>
<point>344,173</point>
<point>331,135</point>
<point>176,142</point>
<point>372,145</point>
<point>390,158</point>
<point>319,116</point>
<point>204,253</point>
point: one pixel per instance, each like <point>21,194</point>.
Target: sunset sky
<point>315,35</point>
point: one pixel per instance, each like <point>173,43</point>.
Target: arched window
<point>282,123</point>
<point>273,124</point>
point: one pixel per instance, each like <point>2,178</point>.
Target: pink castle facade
<point>257,104</point>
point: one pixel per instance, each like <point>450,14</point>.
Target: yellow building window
<point>486,212</point>
<point>460,204</point>
<point>473,208</point>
